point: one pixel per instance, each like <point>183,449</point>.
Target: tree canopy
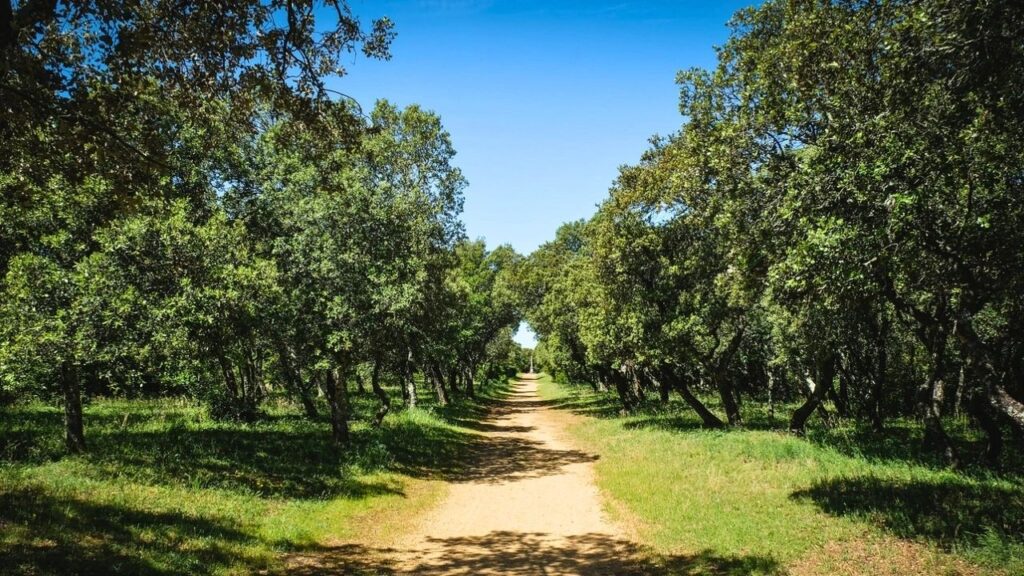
<point>187,209</point>
<point>837,222</point>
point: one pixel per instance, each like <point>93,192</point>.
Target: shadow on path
<point>511,447</point>
<point>521,553</point>
<point>501,452</point>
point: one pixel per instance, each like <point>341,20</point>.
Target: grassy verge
<point>166,490</point>
<point>779,504</point>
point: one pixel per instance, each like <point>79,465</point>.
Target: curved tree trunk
<point>998,397</point>
<point>716,366</point>
<point>707,416</point>
<point>438,382</point>
<point>825,374</point>
<point>798,421</point>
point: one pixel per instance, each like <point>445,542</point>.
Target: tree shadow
<point>269,461</point>
<point>280,456</point>
<point>505,552</point>
<point>669,422</point>
<point>903,441</point>
<point>950,512</point>
<point>458,456</point>
<point>70,536</point>
<point>489,427</point>
<point>594,405</point>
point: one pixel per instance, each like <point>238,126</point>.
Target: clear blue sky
<point>544,99</point>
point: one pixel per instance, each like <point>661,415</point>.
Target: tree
<point>104,104</point>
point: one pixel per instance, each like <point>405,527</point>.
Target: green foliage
<point>838,218</point>
<point>188,211</point>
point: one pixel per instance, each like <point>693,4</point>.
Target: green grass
<point>164,489</point>
<point>838,502</point>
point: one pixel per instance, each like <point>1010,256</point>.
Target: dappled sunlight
<point>526,553</point>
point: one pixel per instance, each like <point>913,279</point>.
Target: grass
<point>166,490</point>
<point>840,502</point>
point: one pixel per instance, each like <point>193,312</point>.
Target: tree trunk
<point>880,381</point>
<point>470,385</point>
<point>930,397</point>
<point>438,382</point>
<point>294,380</point>
<point>664,391</point>
<point>724,386</point>
<point>841,398</point>
<point>257,390</point>
<point>827,420</point>
<point>409,389</point>
<point>707,416</point>
<point>337,399</point>
<point>622,388</point>
<point>798,421</point>
<point>306,399</point>
<point>74,430</point>
<point>826,373</point>
<point>360,385</point>
<point>717,368</point>
<point>382,395</point>
<point>1006,404</point>
<point>983,413</point>
<point>453,379</point>
<point>229,374</point>
<point>408,382</point>
<point>998,397</point>
<point>636,388</point>
<point>958,394</point>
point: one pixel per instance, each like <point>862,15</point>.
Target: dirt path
<point>521,501</point>
<point>535,510</point>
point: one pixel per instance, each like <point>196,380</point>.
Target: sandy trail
<point>531,507</point>
<point>521,501</point>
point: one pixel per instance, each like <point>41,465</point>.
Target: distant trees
<point>838,221</point>
<point>185,209</point>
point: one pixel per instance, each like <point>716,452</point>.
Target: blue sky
<point>544,100</point>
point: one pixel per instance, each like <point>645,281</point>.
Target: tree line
<point>188,209</point>
<point>838,224</point>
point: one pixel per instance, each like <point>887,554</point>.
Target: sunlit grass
<point>164,489</point>
<point>814,506</point>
